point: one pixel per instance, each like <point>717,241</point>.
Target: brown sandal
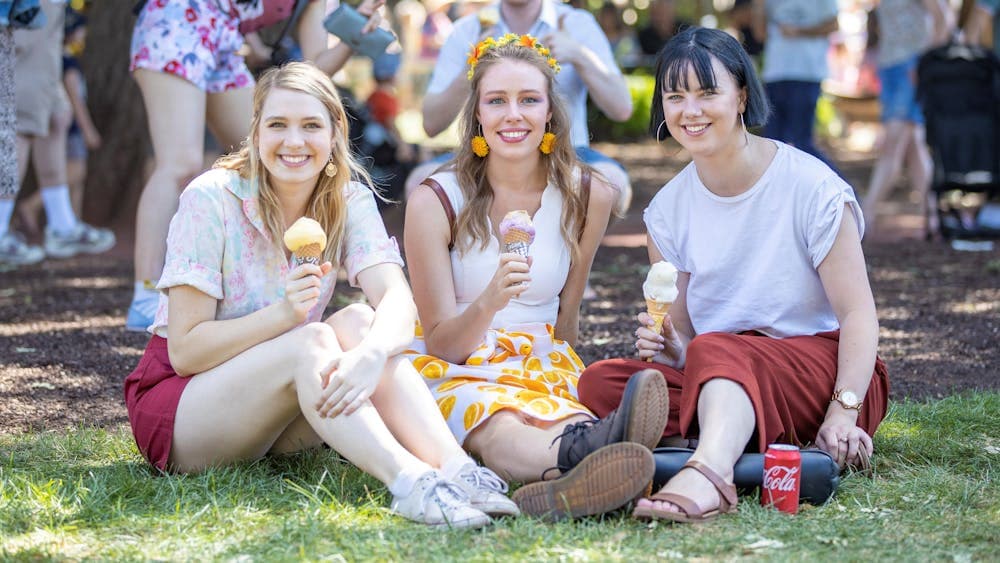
<point>689,509</point>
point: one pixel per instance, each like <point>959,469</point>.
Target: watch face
<point>849,398</point>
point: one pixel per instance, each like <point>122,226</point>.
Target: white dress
<point>519,364</point>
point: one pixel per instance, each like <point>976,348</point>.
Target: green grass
<point>86,494</point>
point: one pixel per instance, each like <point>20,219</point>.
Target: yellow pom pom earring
<point>479,146</point>
<point>548,141</point>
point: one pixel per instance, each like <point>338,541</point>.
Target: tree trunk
<point>117,170</point>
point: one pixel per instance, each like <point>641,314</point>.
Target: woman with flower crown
<point>497,327</point>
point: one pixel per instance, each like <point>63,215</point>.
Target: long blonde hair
<point>562,164</point>
<point>327,204</point>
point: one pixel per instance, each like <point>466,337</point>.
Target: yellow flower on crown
<point>526,41</point>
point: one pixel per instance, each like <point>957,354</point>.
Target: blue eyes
<point>498,101</point>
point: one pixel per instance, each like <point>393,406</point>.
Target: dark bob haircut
<point>695,47</point>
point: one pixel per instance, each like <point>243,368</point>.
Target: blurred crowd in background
<point>384,95</point>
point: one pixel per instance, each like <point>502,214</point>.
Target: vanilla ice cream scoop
<point>306,239</point>
<point>661,283</point>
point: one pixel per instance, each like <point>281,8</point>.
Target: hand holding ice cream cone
<point>660,292</point>
<point>306,240</point>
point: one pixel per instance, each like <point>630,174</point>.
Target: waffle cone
<point>658,310</point>
<point>308,254</point>
<point>517,241</point>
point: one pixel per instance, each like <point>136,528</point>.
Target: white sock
<point>407,478</point>
<point>59,209</point>
<point>451,467</point>
<point>6,210</point>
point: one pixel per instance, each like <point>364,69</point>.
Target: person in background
<point>662,25</point>
<point>43,117</point>
<point>497,327</point>
<point>984,15</point>
<point>240,364</point>
<point>742,25</point>
<point>773,335</point>
<point>620,36</point>
<point>83,135</point>
<point>797,40</point>
<point>184,56</point>
<point>589,69</point>
<point>907,28</point>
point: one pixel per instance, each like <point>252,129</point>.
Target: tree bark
<point>118,169</point>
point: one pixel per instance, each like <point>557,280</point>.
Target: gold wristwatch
<point>847,399</point>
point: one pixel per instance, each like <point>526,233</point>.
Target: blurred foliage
<point>640,87</point>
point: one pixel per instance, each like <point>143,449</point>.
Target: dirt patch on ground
<point>64,353</point>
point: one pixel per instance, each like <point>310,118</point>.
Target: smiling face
<point>705,119</point>
<point>295,137</point>
<point>513,108</point>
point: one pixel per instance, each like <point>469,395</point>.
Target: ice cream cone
<point>517,241</point>
<point>308,254</point>
<point>658,310</point>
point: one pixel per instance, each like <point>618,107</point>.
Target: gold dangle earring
<point>548,141</point>
<point>479,146</point>
<point>331,168</point>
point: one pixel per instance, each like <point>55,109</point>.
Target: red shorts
<point>789,380</point>
<point>152,393</point>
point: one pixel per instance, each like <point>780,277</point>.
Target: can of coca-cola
<point>782,478</point>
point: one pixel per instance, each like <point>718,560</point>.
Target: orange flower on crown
<point>526,41</point>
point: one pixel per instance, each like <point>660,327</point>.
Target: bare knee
<point>316,344</point>
<point>618,179</point>
<point>180,168</point>
<point>352,323</point>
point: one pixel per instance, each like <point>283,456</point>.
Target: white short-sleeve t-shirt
<point>753,257</point>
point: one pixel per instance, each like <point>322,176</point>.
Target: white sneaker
<point>486,490</point>
<point>439,503</point>
<point>85,238</point>
<point>15,251</point>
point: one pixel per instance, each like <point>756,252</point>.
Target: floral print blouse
<point>219,245</point>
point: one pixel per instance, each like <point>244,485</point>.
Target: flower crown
<point>526,41</point>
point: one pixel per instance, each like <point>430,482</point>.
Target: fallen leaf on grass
<point>41,385</point>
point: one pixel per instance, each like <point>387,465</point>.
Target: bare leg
<point>175,109</point>
<point>919,168</point>
<point>516,450</point>
<point>886,170</point>
<point>229,116</point>
<point>402,399</point>
<point>726,422</point>
<point>240,409</point>
<point>76,177</point>
<point>48,154</point>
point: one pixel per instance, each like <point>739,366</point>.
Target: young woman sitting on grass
<point>240,365</point>
<point>773,335</point>
<point>498,326</point>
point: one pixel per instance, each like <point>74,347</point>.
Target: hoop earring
<point>548,141</point>
<point>331,168</point>
<point>658,127</point>
<point>479,145</point>
<point>746,134</point>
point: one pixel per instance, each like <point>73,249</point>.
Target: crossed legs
<point>517,450</point>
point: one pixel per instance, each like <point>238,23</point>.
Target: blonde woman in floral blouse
<point>240,364</point>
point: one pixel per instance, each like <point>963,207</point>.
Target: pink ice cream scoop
<point>517,232</point>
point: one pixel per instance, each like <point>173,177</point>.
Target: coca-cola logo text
<point>780,478</point>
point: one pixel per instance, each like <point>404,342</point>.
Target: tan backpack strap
<point>585,196</point>
<point>449,211</point>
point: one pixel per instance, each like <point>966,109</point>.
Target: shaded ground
<point>64,353</point>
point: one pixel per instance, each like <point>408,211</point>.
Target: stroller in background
<point>958,87</point>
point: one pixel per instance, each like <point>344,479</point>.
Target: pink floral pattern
<point>195,40</point>
<point>218,245</point>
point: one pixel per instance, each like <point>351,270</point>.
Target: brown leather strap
<point>449,211</point>
<point>585,196</point>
